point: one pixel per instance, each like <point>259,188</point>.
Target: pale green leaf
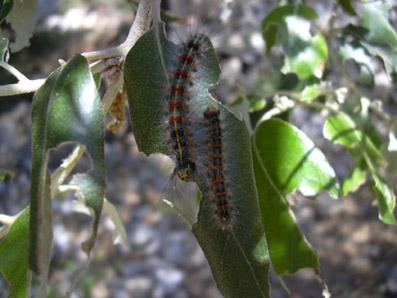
<point>23,21</point>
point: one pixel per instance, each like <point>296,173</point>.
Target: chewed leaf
<point>341,129</point>
<point>236,254</point>
<point>285,159</point>
<point>66,108</point>
<point>358,54</point>
<point>22,18</point>
<point>304,54</point>
<point>149,68</point>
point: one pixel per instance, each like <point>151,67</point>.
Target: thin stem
<point>13,71</point>
<point>22,87</point>
<point>317,105</point>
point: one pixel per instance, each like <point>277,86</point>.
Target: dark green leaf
<point>364,118</point>
<point>358,54</point>
<point>148,68</point>
<point>246,259</point>
<point>66,108</point>
<point>304,55</point>
<point>14,257</point>
<point>3,49</point>
<point>285,159</point>
<point>5,8</point>
<point>97,79</point>
<point>347,6</point>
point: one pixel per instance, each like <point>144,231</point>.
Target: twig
<point>12,70</point>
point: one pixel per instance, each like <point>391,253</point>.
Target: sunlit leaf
<point>358,54</point>
<point>304,54</point>
<point>312,90</point>
<point>285,159</point>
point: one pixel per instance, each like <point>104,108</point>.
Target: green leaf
<point>256,103</point>
<point>380,39</point>
<point>4,173</point>
<point>5,8</point>
<point>355,179</point>
<point>14,257</point>
<point>387,54</point>
<point>238,101</point>
<point>364,118</point>
<point>23,21</point>
<point>341,129</point>
<point>66,108</point>
<point>347,6</point>
<point>386,199</point>
<point>358,54</point>
<point>148,68</point>
<point>380,31</point>
<point>3,50</point>
<point>304,54</point>
<point>97,79</point>
<point>286,159</point>
<point>275,21</point>
<point>312,89</point>
<point>246,257</point>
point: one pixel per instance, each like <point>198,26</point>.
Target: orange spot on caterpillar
<point>175,105</point>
